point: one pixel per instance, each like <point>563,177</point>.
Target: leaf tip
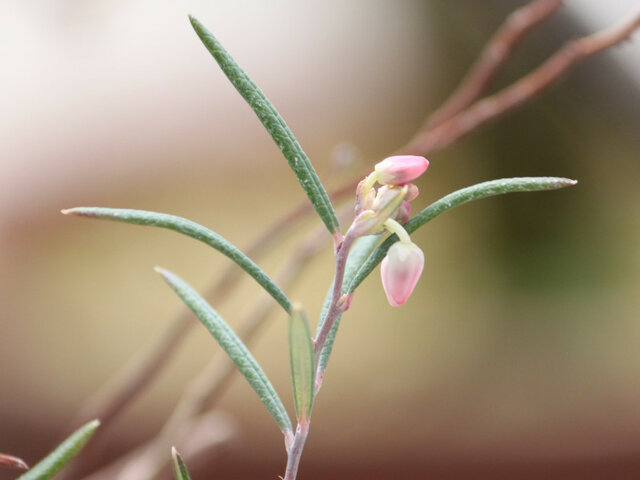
<point>161,271</point>
<point>13,462</point>
<point>565,182</point>
<point>195,23</point>
<point>79,211</point>
<point>174,453</point>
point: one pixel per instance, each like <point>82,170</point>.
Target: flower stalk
<point>374,214</point>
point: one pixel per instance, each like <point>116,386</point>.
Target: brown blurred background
<point>517,356</point>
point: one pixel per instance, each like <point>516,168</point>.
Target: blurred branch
<point>204,434</point>
<point>493,56</point>
<point>136,375</point>
<point>457,117</point>
<point>523,90</point>
<point>138,372</point>
<point>141,370</point>
<point>206,389</point>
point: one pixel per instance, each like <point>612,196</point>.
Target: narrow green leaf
<point>233,346</point>
<point>180,471</point>
<point>193,230</point>
<point>274,124</point>
<point>459,197</point>
<point>360,251</point>
<point>301,358</point>
<point>56,460</point>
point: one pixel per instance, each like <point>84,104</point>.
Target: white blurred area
<point>598,14</point>
<point>117,103</point>
<point>98,91</point>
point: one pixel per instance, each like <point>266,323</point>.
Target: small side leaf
<point>301,358</point>
<point>460,197</point>
<point>180,471</point>
<point>358,255</point>
<point>274,124</point>
<point>233,346</point>
<point>56,460</point>
<point>190,229</point>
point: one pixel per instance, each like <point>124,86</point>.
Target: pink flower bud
<point>364,199</point>
<point>412,192</point>
<point>385,205</point>
<point>400,169</point>
<point>366,223</point>
<point>403,214</point>
<point>386,195</point>
<point>400,271</point>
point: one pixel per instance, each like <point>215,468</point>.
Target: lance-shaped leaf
<point>180,471</point>
<point>56,460</point>
<point>233,346</point>
<point>274,124</point>
<point>12,462</point>
<point>358,255</point>
<point>193,230</point>
<point>301,358</point>
<point>459,197</point>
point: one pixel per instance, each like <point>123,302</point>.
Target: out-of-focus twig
<point>202,434</point>
<point>129,382</point>
<point>496,52</point>
<point>457,117</point>
<point>207,387</point>
<point>140,371</point>
<point>524,90</point>
<point>136,375</point>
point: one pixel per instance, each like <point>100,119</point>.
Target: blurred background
<point>517,356</point>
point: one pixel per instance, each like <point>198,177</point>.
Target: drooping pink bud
<point>400,169</point>
<point>400,271</point>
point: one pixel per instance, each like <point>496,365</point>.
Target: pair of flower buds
<point>388,208</point>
